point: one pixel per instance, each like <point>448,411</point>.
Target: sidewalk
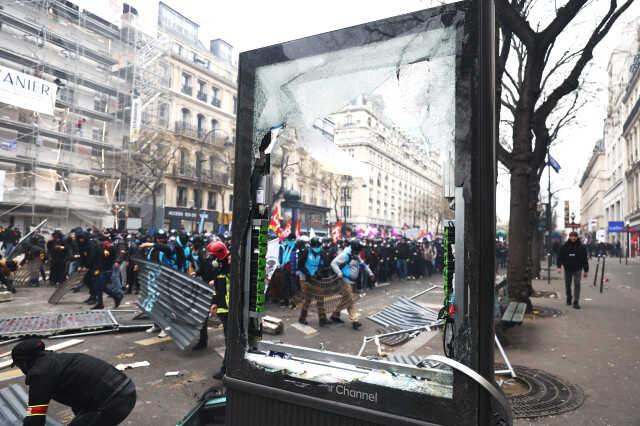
<point>597,347</point>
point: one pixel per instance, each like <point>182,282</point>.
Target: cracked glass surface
<point>369,131</point>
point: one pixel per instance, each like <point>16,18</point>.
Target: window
<point>164,114</point>
<point>186,116</point>
<point>202,91</point>
<point>181,200</point>
<point>96,134</point>
<point>197,198</point>
<point>96,186</point>
<point>235,105</point>
<point>230,202</point>
<point>62,183</point>
<point>200,124</point>
<point>24,176</point>
<point>211,163</point>
<point>212,200</point>
<point>187,89</point>
<point>184,155</point>
<point>100,103</point>
<point>215,97</point>
<point>346,211</point>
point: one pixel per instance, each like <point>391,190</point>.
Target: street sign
<point>616,226</point>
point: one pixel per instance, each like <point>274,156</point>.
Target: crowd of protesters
<point>359,264</point>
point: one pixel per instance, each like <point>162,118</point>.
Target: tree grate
<point>544,394</point>
<point>545,312</point>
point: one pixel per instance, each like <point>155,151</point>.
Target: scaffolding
<point>77,147</point>
<point>149,75</point>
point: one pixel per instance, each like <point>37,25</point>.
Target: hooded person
<point>288,261</point>
<point>347,266</point>
<point>573,257</point>
<point>311,261</point>
<point>97,393</point>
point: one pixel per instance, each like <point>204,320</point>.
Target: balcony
<point>187,90</point>
<point>202,96</point>
<point>187,130</point>
<point>189,172</point>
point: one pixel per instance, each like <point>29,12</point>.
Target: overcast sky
<point>251,24</point>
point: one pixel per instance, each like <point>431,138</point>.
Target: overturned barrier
<point>175,302</point>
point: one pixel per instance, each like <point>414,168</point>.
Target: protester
<point>310,265</point>
<point>347,267</point>
<point>97,393</point>
<point>221,284</point>
<point>573,257</point>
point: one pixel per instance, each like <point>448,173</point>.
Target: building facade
<point>301,187</point>
<point>200,110</point>
<point>60,166</point>
<point>631,134</point>
<point>593,186</point>
<point>404,186</point>
<point>615,148</point>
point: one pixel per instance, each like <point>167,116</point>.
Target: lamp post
<point>199,162</point>
<point>626,259</point>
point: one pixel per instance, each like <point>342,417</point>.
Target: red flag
<point>336,231</point>
<point>298,233</point>
<point>286,231</point>
<point>274,223</point>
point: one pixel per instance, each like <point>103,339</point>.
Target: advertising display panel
<point>385,132</point>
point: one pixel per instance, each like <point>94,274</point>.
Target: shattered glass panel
<point>364,140</point>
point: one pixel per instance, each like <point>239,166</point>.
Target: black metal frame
<point>256,391</point>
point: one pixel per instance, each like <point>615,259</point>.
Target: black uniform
<point>58,255</point>
<point>573,256</point>
<point>97,393</point>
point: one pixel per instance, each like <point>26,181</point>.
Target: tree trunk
<point>154,203</point>
<point>520,233</point>
<point>536,247</point>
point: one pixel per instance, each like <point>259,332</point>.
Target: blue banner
<point>616,226</point>
<point>553,163</point>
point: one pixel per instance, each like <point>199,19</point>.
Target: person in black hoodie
<point>58,255</point>
<point>573,256</point>
<point>97,393</point>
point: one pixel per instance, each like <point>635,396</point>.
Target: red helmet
<point>218,249</point>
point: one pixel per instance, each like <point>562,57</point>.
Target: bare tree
<point>537,90</point>
<point>147,164</point>
<point>283,162</point>
<point>335,183</point>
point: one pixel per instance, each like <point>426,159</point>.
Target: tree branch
<point>504,156</point>
<point>510,17</point>
<point>571,83</point>
<point>564,16</point>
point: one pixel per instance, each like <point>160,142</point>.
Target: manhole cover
<point>536,393</point>
<point>544,312</point>
<point>545,294</point>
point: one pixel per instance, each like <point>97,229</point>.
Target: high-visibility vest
<point>226,295</point>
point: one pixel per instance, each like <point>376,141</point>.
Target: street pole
<point>549,219</point>
<point>626,259</point>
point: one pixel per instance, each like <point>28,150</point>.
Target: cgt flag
<point>554,164</point>
<point>274,222</point>
<point>336,231</point>
<point>286,231</point>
